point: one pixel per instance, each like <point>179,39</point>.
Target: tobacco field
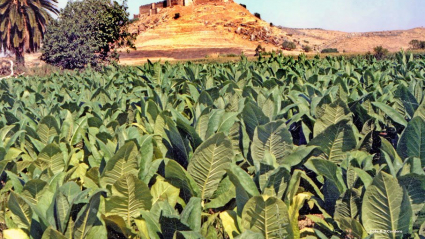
<point>273,148</point>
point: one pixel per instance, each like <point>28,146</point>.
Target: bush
<point>176,16</point>
<point>257,15</point>
<point>288,45</point>
<point>86,33</point>
<point>416,44</point>
<point>380,52</point>
<point>307,48</point>
<point>259,50</point>
<point>330,50</point>
<point>243,5</point>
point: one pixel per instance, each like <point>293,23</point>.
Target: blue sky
<point>344,15</point>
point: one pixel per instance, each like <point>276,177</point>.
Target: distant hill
<point>225,28</point>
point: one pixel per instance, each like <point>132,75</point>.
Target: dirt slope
<point>209,30</point>
<point>202,31</point>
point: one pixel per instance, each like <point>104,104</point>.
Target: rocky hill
<point>212,29</point>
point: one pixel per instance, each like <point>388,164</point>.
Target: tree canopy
<point>23,25</point>
<point>86,32</point>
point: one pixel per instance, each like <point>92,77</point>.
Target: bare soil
<point>214,29</point>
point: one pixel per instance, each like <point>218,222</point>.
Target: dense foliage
<point>235,150</point>
<point>380,52</point>
<point>307,48</point>
<point>417,44</point>
<point>289,45</point>
<point>23,25</point>
<point>86,32</point>
<point>330,50</point>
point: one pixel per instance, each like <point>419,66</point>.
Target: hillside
<point>202,30</point>
<point>213,29</point>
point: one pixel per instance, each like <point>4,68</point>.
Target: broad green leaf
<point>180,178</point>
<point>124,162</point>
<point>15,233</point>
<point>297,203</point>
<point>209,163</point>
<point>47,128</point>
<point>152,225</point>
<point>332,114</point>
<point>61,211</point>
<point>164,191</point>
<point>352,228</point>
<point>171,224</point>
<point>335,141</point>
<point>328,170</point>
<point>273,138</point>
<point>412,140</point>
<point>187,235</point>
<point>253,117</point>
<point>225,192</point>
<point>245,186</point>
<point>276,182</point>
<point>230,223</point>
<point>269,216</point>
<point>117,226</point>
<point>171,142</point>
<point>364,176</point>
<point>392,113</point>
<point>420,111</point>
<point>248,234</point>
<point>409,101</point>
<point>348,205</point>
<point>22,212</point>
<point>87,217</point>
<point>208,229</point>
<point>129,196</point>
<point>297,156</point>
<point>191,214</point>
<point>386,206</point>
<point>51,233</point>
<point>415,187</point>
<point>51,158</point>
<point>33,190</point>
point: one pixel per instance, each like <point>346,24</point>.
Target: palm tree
<point>23,24</point>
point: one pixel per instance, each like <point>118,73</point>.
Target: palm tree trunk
<point>19,55</point>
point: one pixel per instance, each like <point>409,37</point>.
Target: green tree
<point>380,52</point>
<point>23,25</point>
<point>288,45</point>
<point>307,48</point>
<point>416,44</point>
<point>86,32</point>
<point>330,50</point>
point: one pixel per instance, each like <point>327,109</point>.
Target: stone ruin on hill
<point>155,8</point>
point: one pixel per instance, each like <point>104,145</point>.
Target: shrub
<point>176,16</point>
<point>86,33</point>
<point>243,5</point>
<point>416,44</point>
<point>330,50</point>
<point>288,45</point>
<point>259,50</point>
<point>257,15</point>
<point>307,48</point>
<point>380,52</point>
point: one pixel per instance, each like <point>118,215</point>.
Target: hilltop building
<point>155,8</point>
